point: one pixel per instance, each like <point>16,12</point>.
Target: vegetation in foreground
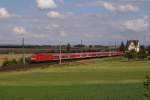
<point>10,57</point>
<point>96,79</point>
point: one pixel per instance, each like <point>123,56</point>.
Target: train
<point>72,56</point>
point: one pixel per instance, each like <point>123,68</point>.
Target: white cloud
<point>141,24</point>
<point>19,30</point>
<point>69,14</point>
<point>61,1</point>
<point>46,4</point>
<point>63,34</point>
<point>93,36</point>
<point>48,27</point>
<point>56,25</point>
<point>39,36</point>
<point>54,14</point>
<point>119,7</point>
<point>4,13</point>
<point>109,6</point>
<point>89,36</point>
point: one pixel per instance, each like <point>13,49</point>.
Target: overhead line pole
<point>23,51</point>
<point>115,46</point>
<point>60,54</point>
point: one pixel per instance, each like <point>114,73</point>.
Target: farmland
<point>96,79</point>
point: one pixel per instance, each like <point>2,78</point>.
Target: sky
<point>70,21</point>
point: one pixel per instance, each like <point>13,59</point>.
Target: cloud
<point>89,36</point>
<point>63,34</point>
<point>46,4</point>
<point>140,24</point>
<point>61,1</point>
<point>4,13</point>
<point>56,26</point>
<point>54,14</point>
<point>38,36</point>
<point>119,7</point>
<point>19,30</point>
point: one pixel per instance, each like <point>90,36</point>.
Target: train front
<point>42,58</point>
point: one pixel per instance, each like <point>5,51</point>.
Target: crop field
<point>94,79</point>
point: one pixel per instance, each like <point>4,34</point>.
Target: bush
<point>147,86</point>
<point>131,55</point>
<point>14,62</point>
<point>7,63</point>
<point>142,55</point>
<point>134,55</point>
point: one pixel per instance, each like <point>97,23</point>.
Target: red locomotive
<point>68,56</point>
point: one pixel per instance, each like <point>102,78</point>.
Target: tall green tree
<point>148,49</point>
<point>68,47</point>
<point>122,47</point>
<point>127,44</point>
<point>142,53</point>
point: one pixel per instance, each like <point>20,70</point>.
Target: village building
<point>133,45</point>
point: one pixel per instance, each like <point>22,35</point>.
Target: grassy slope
<point>92,79</point>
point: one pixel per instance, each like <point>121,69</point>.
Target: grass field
<point>96,79</point>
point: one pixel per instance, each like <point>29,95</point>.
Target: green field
<point>96,79</point>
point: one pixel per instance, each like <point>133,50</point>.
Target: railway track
<point>28,66</point>
<point>20,67</point>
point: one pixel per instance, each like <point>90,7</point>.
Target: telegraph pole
<point>109,51</point>
<point>23,52</point>
<point>60,54</point>
<point>81,42</point>
<point>115,46</point>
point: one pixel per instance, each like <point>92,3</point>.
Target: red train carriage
<point>55,57</point>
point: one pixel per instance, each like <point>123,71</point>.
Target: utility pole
<point>23,52</point>
<point>81,42</point>
<point>109,51</point>
<point>115,46</point>
<point>60,54</point>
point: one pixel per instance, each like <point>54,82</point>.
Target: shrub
<point>142,55</point>
<point>134,55</point>
<point>20,61</point>
<point>131,55</point>
<point>14,62</point>
<point>11,62</point>
<point>147,86</point>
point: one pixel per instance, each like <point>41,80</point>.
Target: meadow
<point>94,79</point>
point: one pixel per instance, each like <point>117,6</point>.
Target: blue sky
<point>93,21</point>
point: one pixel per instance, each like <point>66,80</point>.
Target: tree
<point>142,53</point>
<point>68,47</point>
<point>148,49</point>
<point>127,44</point>
<point>122,47</point>
<point>131,55</point>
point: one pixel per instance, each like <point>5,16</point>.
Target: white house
<point>134,45</point>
